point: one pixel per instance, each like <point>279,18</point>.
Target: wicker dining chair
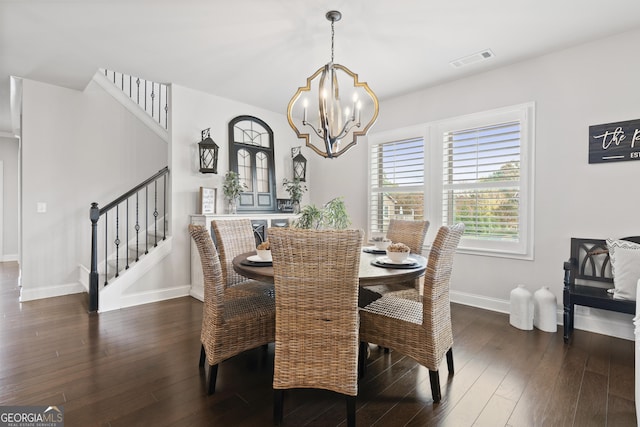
<point>420,330</point>
<point>412,234</point>
<point>235,237</point>
<point>229,325</point>
<point>316,280</point>
<point>409,232</point>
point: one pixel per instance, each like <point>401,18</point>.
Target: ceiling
<point>260,51</point>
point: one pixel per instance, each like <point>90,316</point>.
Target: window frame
<point>253,150</point>
<point>390,137</point>
<point>432,133</point>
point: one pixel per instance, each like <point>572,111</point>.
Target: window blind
<point>396,182</point>
<point>481,181</point>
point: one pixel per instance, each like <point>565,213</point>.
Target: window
<point>486,179</point>
<point>251,155</point>
<point>475,169</point>
<point>396,171</point>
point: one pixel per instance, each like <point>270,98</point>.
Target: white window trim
<point>432,133</point>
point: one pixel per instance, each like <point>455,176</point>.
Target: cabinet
<point>260,224</point>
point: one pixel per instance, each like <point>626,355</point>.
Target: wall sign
<point>207,201</point>
<point>614,142</point>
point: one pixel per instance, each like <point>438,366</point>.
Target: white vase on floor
<point>544,310</point>
<point>521,302</point>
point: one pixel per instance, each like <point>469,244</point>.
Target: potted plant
<point>232,187</point>
<point>296,189</point>
<point>332,215</point>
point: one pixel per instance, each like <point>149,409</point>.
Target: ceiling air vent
<point>472,59</point>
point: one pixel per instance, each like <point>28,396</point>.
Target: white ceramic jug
<point>521,308</point>
<point>544,310</point>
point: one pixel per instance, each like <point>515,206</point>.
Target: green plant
<point>295,188</point>
<point>232,187</point>
<point>336,215</point>
<point>332,215</point>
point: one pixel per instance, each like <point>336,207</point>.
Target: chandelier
<point>335,122</point>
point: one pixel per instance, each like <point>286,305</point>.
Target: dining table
<point>372,270</point>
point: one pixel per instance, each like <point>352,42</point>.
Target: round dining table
<point>369,273</point>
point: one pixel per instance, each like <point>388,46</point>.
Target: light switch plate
<point>41,207</point>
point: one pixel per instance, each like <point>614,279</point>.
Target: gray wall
<point>9,158</point>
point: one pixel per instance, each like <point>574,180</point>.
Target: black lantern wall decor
<point>299,165</point>
<point>208,153</point>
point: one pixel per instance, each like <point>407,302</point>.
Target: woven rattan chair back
<point>411,233</point>
<point>213,285</point>
<point>233,237</point>
<point>419,329</point>
<point>229,325</point>
<point>316,286</point>
<point>436,307</point>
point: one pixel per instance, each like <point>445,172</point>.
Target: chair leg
<point>362,359</point>
<point>213,375</point>
<point>278,396</point>
<point>203,356</point>
<point>450,361</point>
<point>434,379</point>
<point>351,411</point>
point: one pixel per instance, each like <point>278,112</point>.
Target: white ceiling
<point>260,51</point>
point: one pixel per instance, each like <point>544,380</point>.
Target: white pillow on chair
<point>625,267</point>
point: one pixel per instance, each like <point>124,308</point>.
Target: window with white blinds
<point>487,177</point>
<point>481,181</point>
<point>396,182</point>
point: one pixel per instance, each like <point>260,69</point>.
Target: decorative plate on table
<point>386,262</point>
<point>374,250</point>
<point>255,260</point>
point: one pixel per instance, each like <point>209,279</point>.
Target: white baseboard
<point>31,294</point>
<point>9,258</point>
<point>597,321</point>
<point>153,296</point>
<point>196,293</point>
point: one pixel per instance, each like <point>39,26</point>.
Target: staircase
<point>129,236</point>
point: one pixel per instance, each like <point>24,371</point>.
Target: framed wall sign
<point>614,142</point>
<point>207,201</point>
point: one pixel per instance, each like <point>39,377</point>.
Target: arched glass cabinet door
<point>251,154</point>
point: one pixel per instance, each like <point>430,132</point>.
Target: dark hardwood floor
<point>139,366</point>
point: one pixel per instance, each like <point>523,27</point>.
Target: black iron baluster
<point>138,90</point>
<point>130,85</point>
<point>137,226</point>
<point>153,97</point>
<point>117,241</point>
<point>146,219</point>
<point>126,241</point>
<point>155,212</point>
<point>122,82</point>
<point>106,248</point>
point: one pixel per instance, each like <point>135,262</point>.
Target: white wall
<point>77,148</point>
<point>194,111</point>
<point>590,84</point>
<point>9,159</point>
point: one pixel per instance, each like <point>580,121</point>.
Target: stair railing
<point>150,96</point>
<point>122,222</point>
